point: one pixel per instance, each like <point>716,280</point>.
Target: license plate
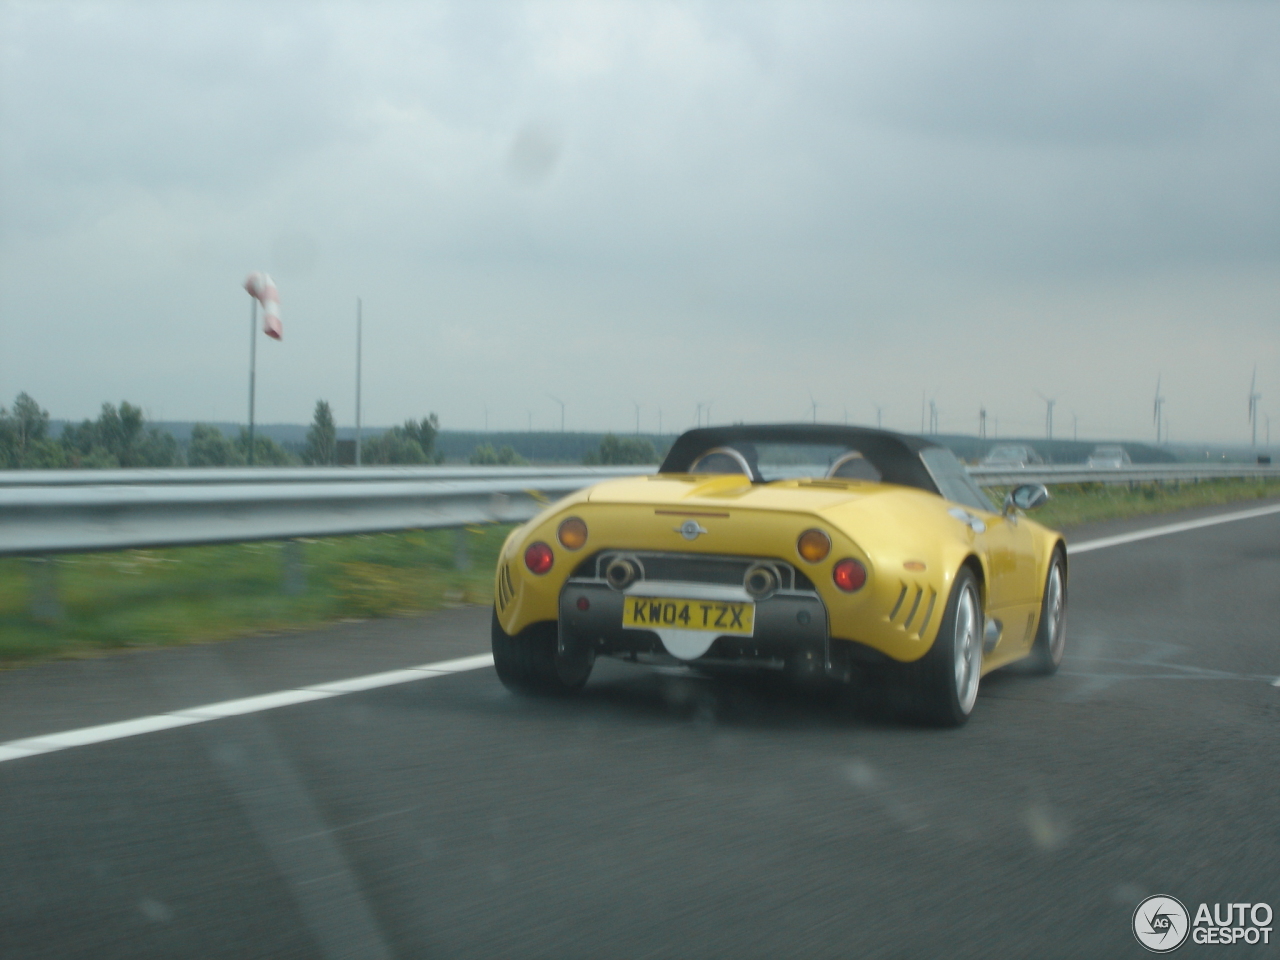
<point>716,616</point>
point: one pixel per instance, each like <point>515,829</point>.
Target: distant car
<point>1011,456</point>
<point>810,549</point>
<point>1109,457</point>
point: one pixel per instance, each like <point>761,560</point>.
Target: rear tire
<point>1051,634</point>
<point>944,682</point>
<point>530,662</point>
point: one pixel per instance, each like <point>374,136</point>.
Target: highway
<point>661,814</point>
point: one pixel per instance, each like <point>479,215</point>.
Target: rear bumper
<point>791,630</point>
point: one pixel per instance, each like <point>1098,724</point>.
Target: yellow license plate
<point>717,616</point>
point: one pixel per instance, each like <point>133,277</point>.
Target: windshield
<point>787,461</point>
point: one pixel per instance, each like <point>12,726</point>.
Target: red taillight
<point>539,557</point>
<point>849,575</point>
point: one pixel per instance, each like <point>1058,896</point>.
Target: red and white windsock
<point>263,289</point>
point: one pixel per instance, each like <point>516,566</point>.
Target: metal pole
<point>253,367</point>
<point>359,344</point>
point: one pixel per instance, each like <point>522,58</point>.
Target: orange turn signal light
<point>814,545</point>
<point>572,533</point>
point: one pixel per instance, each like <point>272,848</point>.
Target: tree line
<point>121,437</point>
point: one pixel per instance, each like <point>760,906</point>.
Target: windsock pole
<point>261,290</point>
<point>359,343</point>
<point>253,366</point>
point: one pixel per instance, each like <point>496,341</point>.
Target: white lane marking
<point>1164,531</point>
<point>48,743</point>
<point>371,682</point>
<point>32,746</point>
<point>85,735</point>
<point>1276,682</point>
<point>266,701</point>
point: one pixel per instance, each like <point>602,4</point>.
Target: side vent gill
<point>505,590</point>
<point>912,597</point>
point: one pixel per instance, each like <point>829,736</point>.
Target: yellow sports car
<point>803,547</point>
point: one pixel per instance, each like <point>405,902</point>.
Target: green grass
<point>143,598</point>
<point>1073,504</point>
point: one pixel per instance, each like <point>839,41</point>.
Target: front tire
<point>1051,634</point>
<point>530,662</point>
<point>944,681</point>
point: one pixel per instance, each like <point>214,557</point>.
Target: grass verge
<point>1073,504</point>
<point>143,598</point>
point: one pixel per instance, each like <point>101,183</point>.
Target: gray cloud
<point>671,202</point>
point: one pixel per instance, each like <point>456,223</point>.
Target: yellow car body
<point>911,542</point>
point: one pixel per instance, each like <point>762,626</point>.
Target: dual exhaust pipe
<point>760,581</point>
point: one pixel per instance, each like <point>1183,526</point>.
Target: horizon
<point>583,209</point>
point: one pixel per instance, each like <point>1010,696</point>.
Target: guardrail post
<point>461,553</point>
<point>42,578</point>
<point>295,571</point>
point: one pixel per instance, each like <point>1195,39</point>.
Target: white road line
<point>48,743</point>
<point>1164,531</point>
<point>33,746</point>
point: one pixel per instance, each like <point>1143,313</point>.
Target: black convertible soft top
<point>895,455</point>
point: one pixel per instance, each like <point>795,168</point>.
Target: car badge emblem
<point>691,529</point>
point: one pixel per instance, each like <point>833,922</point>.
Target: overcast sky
<point>756,206</point>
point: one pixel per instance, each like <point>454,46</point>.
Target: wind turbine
<point>982,422</point>
<point>1254,397</point>
<point>814,405</point>
<point>879,413</point>
<point>1048,413</point>
<point>636,403</point>
<point>933,417</point>
<point>561,402</point>
<point>1157,416</point>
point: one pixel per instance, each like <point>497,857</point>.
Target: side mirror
<point>1026,497</point>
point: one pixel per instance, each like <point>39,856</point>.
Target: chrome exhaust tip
<point>622,572</point>
<point>760,581</point>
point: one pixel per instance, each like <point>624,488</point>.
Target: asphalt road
<point>659,814</point>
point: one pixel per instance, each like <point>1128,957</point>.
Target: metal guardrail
<point>226,476</point>
<point>1145,473</point>
<point>46,512</point>
<point>154,512</point>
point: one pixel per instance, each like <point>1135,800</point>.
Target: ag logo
<point>1161,924</point>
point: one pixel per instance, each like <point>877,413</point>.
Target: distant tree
<point>486,455</point>
<point>424,432</point>
<point>266,452</point>
<point>210,447</point>
<point>24,441</point>
<point>622,451</point>
<point>412,443</point>
<point>392,448</point>
<point>119,437</point>
<point>322,437</point>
